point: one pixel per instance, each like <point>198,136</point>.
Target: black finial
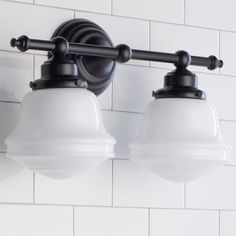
<point>215,63</point>
<point>125,53</point>
<point>22,43</point>
<point>184,59</point>
<point>61,46</point>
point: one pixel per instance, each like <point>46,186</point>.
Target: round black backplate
<point>97,71</point>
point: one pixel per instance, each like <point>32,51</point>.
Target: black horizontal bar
<point>23,43</point>
<point>200,61</point>
<point>42,45</point>
<point>154,56</point>
<point>93,50</point>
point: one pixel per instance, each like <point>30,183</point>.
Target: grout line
<point>112,182</point>
<point>219,50</point>
<point>26,53</point>
<point>206,28</point>
<point>34,64</point>
<point>38,4</point>
<point>33,188</point>
<point>118,207</point>
<point>129,112</point>
<point>111,7</point>
<point>230,165</point>
<point>149,39</point>
<point>73,220</point>
<point>225,120</point>
<point>184,12</point>
<point>169,69</point>
<point>185,202</point>
<point>185,188</point>
<point>227,75</point>
<point>149,221</point>
<point>112,94</point>
<point>141,113</point>
<point>219,223</point>
<point>107,14</point>
<point>120,159</point>
<point>74,14</point>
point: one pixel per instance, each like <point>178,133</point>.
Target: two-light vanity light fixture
<point>60,132</point>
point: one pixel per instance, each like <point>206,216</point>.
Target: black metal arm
<point>121,53</point>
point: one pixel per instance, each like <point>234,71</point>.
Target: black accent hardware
<point>81,54</point>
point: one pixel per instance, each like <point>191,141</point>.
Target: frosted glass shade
<point>60,133</point>
<point>8,167</point>
<point>180,139</point>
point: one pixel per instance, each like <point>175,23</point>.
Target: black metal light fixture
<point>180,138</point>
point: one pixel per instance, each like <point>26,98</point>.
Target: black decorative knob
<point>61,46</point>
<point>22,43</point>
<point>215,63</point>
<point>184,59</point>
<point>125,53</point>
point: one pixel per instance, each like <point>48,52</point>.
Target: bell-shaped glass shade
<point>60,133</point>
<point>8,167</point>
<point>180,139</point>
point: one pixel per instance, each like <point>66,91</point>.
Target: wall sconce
<point>60,132</point>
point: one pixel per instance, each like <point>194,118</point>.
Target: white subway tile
<point>160,10</point>
<point>227,47</point>
<point>220,91</point>
<point>104,99</point>
<point>16,71</point>
<point>133,32</point>
<point>216,14</point>
<point>26,1</point>
<point>133,87</point>
<point>227,223</point>
<point>103,6</point>
<point>135,187</point>
<point>33,21</point>
<point>17,189</point>
<point>214,191</point>
<point>172,38</point>
<point>35,220</point>
<point>90,188</point>
<point>229,134</point>
<point>111,221</point>
<point>183,223</point>
<point>10,113</point>
<point>124,127</point>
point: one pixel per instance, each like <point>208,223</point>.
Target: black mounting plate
<point>99,72</point>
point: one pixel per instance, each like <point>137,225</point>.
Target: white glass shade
<point>60,133</point>
<point>8,167</point>
<point>180,139</point>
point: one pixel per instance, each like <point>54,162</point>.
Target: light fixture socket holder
<point>96,71</point>
<point>65,70</point>
<point>57,74</point>
<point>180,83</point>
